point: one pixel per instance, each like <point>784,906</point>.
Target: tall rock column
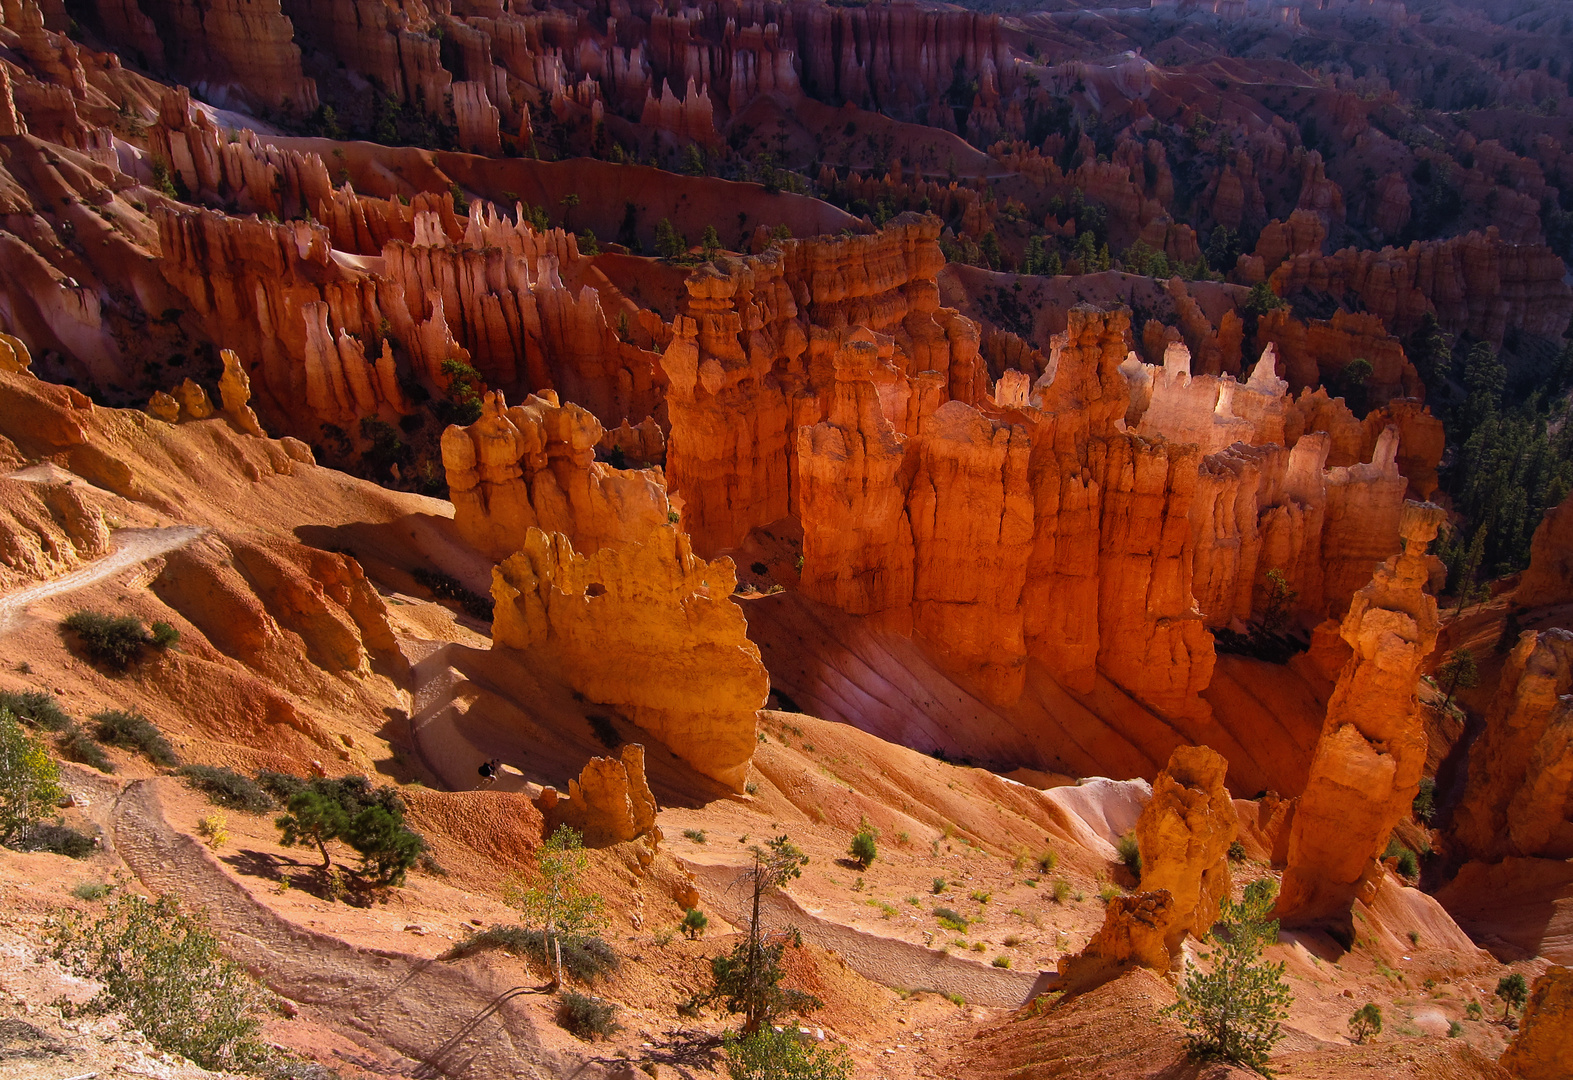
<point>1372,750</point>
<point>1184,834</point>
<point>857,540</point>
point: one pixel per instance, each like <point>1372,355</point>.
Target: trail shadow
<point>441,1061</point>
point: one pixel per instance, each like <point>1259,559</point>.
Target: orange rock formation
<point>1372,749</point>
<point>609,803</point>
<point>533,465</point>
<point>1134,934</point>
<point>1542,1050</point>
<point>1184,834</point>
<point>1549,579</point>
<point>1519,797</point>
<point>647,628</point>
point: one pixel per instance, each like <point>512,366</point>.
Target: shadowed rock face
<point>1549,579</point>
<point>1542,1049</point>
<point>1368,761</point>
<point>1517,801</point>
<point>648,628</point>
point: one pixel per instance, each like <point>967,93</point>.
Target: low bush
<point>130,730</point>
<point>1047,861</point>
<point>29,780</point>
<point>1061,889</point>
<point>76,745</point>
<point>280,785</point>
<point>586,959</point>
<point>769,1054</point>
<point>1001,961</point>
<point>36,708</point>
<point>696,835</point>
<point>937,886</point>
<point>228,788</point>
<point>587,1017</point>
<point>116,640</point>
<point>91,890</point>
<point>864,848</point>
<point>1236,851</point>
<point>694,923</point>
<point>1130,854</point>
<point>950,919</point>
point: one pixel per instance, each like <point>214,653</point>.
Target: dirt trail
<point>446,1020</point>
<point>894,963</point>
<point>132,546</point>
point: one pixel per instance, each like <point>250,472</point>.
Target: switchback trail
<point>132,546</point>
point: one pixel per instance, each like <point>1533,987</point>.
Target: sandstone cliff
<point>1542,1050</point>
<point>533,466</point>
<point>1549,579</point>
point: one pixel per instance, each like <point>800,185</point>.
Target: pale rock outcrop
<point>1542,1049</point>
<point>648,628</point>
<point>1372,750</point>
<point>1184,834</point>
<point>194,403</point>
<point>1549,579</point>
<point>533,466</point>
<point>14,356</point>
<point>609,803</point>
<point>1519,796</point>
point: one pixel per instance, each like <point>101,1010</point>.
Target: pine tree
<point>748,981</point>
<point>1235,1011</point>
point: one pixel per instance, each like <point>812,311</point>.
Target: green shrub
<point>863,848</point>
<point>282,786</point>
<point>586,958</point>
<point>91,890</point>
<point>587,1017</point>
<point>370,820</point>
<point>1130,854</point>
<point>133,731</point>
<point>938,886</point>
<point>76,745</point>
<point>1424,806</point>
<point>1047,861</point>
<point>1454,1029</point>
<point>1512,989</point>
<point>950,919</point>
<point>163,969</point>
<point>1235,1011</point>
<point>1001,961</point>
<point>768,1054</point>
<point>29,780</point>
<point>1062,889</point>
<point>694,923</point>
<point>226,787</point>
<point>116,640</point>
<point>696,835</point>
<point>37,708</point>
<point>1408,861</point>
<point>1473,1011</point>
<point>1236,851</point>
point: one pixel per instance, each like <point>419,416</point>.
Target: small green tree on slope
<point>29,779</point>
<point>555,901</point>
<point>748,981</point>
<point>1235,1011</point>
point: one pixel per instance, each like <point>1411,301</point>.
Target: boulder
<point>1134,934</point>
<point>609,803</point>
